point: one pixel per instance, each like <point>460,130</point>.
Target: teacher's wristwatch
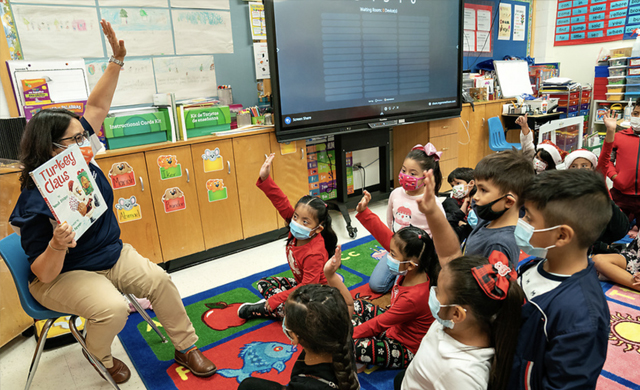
<point>116,61</point>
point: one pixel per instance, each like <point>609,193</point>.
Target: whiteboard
<point>67,80</point>
<point>513,77</point>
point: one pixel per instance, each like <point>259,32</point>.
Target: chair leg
<point>38,352</point>
<point>101,368</point>
<point>132,299</point>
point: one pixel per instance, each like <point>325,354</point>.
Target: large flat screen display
<point>350,65</point>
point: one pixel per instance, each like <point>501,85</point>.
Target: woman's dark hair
<point>498,318</point>
<point>426,163</point>
<point>324,219</point>
<point>36,146</point>
<point>320,317</point>
<point>415,242</point>
<point>546,157</point>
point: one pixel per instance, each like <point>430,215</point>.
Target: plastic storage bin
<point>569,109</point>
<point>563,96</point>
<point>602,71</point>
<point>633,88</point>
<point>615,96</point>
<point>618,61</point>
<point>571,102</point>
<point>617,80</point>
<point>631,95</point>
<point>584,106</point>
<point>634,71</point>
<point>615,88</point>
<point>586,93</point>
<point>584,112</point>
<point>617,71</point>
<point>634,61</point>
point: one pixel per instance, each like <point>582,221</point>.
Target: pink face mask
<point>410,183</point>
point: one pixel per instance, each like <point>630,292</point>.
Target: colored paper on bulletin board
<point>477,28</point>
<point>582,21</point>
<point>633,19</point>
<point>256,18</point>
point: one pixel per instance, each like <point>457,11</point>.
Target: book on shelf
<point>69,189</point>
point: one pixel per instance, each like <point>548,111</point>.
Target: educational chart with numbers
<point>592,21</point>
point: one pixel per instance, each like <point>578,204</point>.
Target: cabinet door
<point>133,204</point>
<point>479,135</point>
<point>173,188</point>
<point>215,172</point>
<point>256,211</point>
<point>290,170</point>
<point>464,137</point>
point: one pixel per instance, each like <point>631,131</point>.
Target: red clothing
<point>306,261</point>
<point>627,167</point>
<point>409,317</point>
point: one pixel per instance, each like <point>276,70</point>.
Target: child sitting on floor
<point>310,243</point>
<point>623,268</point>
<point>402,210</point>
<point>546,156</point>
<point>477,307</point>
<point>458,205</point>
<point>390,338</point>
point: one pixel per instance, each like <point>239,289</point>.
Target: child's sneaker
<point>252,310</point>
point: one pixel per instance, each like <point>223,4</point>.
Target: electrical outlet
<point>357,166</point>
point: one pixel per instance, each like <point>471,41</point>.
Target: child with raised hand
<point>546,156</point>
<point>402,210</point>
<point>317,318</point>
<point>500,180</point>
<point>310,243</point>
<point>458,205</point>
<point>565,322</point>
<point>477,307</point>
<point>389,338</point>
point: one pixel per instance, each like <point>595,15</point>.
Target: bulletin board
<point>180,46</point>
<point>502,47</point>
<point>581,22</point>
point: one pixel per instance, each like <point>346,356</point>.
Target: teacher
<point>87,277</point>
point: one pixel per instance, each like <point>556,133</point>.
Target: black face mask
<point>485,212</point>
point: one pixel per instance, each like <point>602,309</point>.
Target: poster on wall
<point>256,17</point>
<point>477,28</point>
<point>582,21</point>
<point>519,22</point>
<point>504,23</point>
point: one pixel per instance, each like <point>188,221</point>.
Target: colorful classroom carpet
<point>258,348</point>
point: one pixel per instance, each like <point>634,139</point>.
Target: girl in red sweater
<point>390,338</point>
<point>311,242</point>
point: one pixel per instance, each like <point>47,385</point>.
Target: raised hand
<point>265,170</point>
<point>522,122</point>
<point>610,121</point>
<point>63,237</point>
<point>332,265</point>
<point>364,202</point>
<point>427,204</point>
<point>117,46</point>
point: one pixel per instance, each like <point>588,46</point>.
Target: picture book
<point>35,91</point>
<point>69,189</point>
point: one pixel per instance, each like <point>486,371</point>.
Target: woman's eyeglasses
<point>78,139</point>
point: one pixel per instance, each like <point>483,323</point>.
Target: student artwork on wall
<point>207,31</point>
<point>136,84</point>
<point>146,31</point>
<point>477,28</point>
<point>504,23</point>
<point>9,26</point>
<point>187,76</point>
<point>583,21</point>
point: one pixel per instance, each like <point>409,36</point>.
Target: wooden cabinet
<point>214,167</point>
<point>133,203</point>
<point>175,201</point>
<point>13,320</point>
<point>256,211</point>
<point>289,162</point>
<point>443,134</point>
<point>479,135</point>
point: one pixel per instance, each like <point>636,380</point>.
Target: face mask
<point>460,191</point>
<point>286,331</point>
<point>87,151</point>
<point>523,234</point>
<point>394,266</point>
<point>410,183</point>
<point>485,212</point>
<point>435,306</point>
<point>472,218</point>
<point>300,232</point>
<point>635,123</point>
<point>539,165</point>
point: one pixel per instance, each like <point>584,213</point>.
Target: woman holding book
<point>87,277</point>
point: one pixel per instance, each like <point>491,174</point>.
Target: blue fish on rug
<point>260,357</point>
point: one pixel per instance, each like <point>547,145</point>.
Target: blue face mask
<point>394,266</point>
<point>523,234</point>
<point>472,218</point>
<point>300,232</point>
<point>435,306</point>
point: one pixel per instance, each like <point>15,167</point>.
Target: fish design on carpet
<point>260,357</point>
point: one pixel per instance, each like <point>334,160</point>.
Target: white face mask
<point>539,165</point>
<point>635,123</point>
<point>460,191</point>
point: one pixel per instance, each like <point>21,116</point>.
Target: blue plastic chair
<point>497,141</point>
<point>18,264</point>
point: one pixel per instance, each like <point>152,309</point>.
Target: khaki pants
<point>96,296</point>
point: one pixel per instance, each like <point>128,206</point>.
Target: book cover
<point>71,193</point>
<point>35,91</point>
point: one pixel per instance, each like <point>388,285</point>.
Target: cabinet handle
<point>141,183</point>
<point>228,167</point>
<point>467,124</point>
<point>188,178</point>
<point>482,121</point>
<point>301,154</point>
<point>445,149</point>
<point>265,156</point>
<point>445,127</point>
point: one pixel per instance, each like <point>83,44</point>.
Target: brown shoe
<point>196,362</point>
<point>119,372</point>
